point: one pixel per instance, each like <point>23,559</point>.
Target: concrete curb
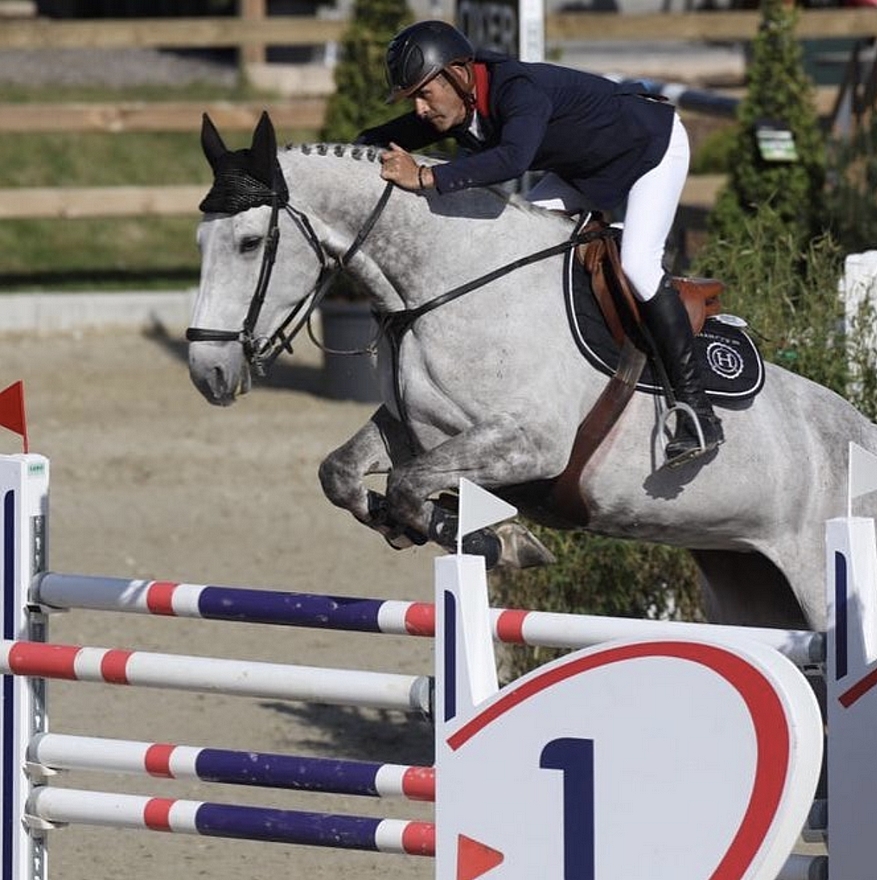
<point>46,313</point>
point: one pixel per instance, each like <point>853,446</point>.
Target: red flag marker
<point>12,410</point>
<point>475,858</point>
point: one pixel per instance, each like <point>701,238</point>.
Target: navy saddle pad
<point>731,365</point>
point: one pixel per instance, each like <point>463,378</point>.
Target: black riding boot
<point>668,326</point>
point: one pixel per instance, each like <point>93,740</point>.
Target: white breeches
<point>648,218</point>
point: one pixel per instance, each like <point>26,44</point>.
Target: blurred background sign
<point>513,27</point>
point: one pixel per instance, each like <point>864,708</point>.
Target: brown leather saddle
<point>619,307</point>
<point>601,259</point>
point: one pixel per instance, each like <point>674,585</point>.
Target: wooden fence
<point>72,203</point>
<point>305,113</point>
<point>301,31</point>
<point>252,32</point>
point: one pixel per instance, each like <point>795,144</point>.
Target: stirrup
<point>680,409</point>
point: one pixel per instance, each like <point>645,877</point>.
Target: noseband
<point>262,351</point>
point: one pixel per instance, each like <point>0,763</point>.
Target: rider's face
<point>438,103</point>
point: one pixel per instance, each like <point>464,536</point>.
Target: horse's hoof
<point>520,548</point>
<point>399,541</point>
<point>402,539</point>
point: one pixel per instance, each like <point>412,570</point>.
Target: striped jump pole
<point>49,806</point>
<point>55,751</point>
<point>391,617</point>
<point>585,767</point>
<point>376,690</point>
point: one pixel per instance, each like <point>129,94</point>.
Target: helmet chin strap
<point>465,88</point>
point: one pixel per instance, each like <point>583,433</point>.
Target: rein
<point>397,323</point>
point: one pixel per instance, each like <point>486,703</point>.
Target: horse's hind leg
<point>747,589</point>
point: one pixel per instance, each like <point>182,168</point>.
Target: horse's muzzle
<point>219,371</point>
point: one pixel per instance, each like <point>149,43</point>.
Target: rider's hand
<point>399,167</point>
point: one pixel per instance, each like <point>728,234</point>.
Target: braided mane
<point>360,152</point>
<point>354,151</point>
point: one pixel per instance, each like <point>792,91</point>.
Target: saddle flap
<point>731,366</point>
<point>614,295</point>
<point>611,290</point>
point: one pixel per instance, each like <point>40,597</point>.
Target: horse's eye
<point>250,243</point>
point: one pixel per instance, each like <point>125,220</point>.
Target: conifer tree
<point>768,239</point>
<point>778,92</point>
<point>359,100</point>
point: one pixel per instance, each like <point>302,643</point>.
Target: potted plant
<point>357,103</point>
<point>348,329</point>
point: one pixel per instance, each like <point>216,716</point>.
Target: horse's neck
<point>414,251</point>
<point>341,195</point>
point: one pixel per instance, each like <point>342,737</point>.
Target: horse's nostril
<point>219,385</point>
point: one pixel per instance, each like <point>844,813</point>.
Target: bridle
<point>261,351</point>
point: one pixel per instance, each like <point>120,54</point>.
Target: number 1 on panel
<point>575,759</point>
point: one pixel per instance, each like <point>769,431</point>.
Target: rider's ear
<point>464,74</point>
<point>460,76</point>
<point>211,142</point>
<point>264,149</point>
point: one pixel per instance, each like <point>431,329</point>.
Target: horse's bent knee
<point>339,482</point>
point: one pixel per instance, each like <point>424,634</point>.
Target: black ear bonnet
<point>243,179</point>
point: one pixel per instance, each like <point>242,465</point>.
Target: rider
<point>600,142</point>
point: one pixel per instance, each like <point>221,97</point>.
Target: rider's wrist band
<point>420,170</point>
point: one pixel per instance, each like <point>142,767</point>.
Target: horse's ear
<point>264,149</point>
<point>211,142</point>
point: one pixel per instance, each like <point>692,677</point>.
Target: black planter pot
<point>348,326</point>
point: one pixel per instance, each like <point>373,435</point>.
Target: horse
<point>480,378</point>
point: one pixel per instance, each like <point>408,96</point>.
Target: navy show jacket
<point>597,135</point>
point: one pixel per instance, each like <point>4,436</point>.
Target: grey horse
<point>490,384</point>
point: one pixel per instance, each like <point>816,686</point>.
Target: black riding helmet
<point>420,52</point>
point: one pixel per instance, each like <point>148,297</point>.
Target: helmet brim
<point>397,93</point>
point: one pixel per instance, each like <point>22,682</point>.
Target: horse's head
<point>241,302</point>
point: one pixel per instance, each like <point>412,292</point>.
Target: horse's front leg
<point>499,453</point>
<point>379,446</point>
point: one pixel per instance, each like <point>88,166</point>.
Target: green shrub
<point>598,575</point>
<point>862,387</point>
<point>359,100</point>
<point>779,91</point>
<point>787,292</point>
<point>852,182</point>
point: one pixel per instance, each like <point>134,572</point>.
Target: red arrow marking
<point>474,858</point>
